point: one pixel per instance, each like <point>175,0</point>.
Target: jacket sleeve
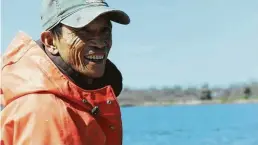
<point>36,120</point>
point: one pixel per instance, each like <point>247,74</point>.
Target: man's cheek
<point>70,38</point>
<point>109,44</point>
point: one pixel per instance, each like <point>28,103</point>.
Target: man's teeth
<point>95,57</point>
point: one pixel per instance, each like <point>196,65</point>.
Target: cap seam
<point>68,14</point>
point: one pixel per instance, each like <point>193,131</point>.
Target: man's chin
<point>94,74</point>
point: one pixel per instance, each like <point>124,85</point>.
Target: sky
<point>168,42</point>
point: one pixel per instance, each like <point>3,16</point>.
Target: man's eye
<point>81,31</point>
<point>86,31</point>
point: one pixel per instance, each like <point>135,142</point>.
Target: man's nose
<point>98,43</point>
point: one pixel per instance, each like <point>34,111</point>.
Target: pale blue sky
<point>169,42</point>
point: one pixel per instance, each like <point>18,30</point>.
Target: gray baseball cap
<point>77,13</point>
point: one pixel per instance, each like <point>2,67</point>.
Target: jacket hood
<point>26,69</point>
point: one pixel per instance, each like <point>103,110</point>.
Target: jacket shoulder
<point>43,119</point>
<point>32,105</point>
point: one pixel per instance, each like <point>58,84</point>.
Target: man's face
<point>86,49</point>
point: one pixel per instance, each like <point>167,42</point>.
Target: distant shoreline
<point>193,102</point>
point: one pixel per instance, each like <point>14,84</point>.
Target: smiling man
<point>62,88</point>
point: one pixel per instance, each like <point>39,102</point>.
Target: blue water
<point>191,125</point>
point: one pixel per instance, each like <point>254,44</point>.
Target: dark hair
<point>57,31</point>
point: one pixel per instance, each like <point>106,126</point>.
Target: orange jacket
<point>44,107</point>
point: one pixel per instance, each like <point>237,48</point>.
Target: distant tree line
<point>177,92</point>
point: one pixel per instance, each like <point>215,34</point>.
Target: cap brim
<point>84,16</point>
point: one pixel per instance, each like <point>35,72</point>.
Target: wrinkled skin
<point>76,43</point>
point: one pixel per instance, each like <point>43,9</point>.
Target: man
<point>62,89</point>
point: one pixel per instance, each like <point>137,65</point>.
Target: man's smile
<point>95,57</point>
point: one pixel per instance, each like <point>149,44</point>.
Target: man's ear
<point>47,38</point>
